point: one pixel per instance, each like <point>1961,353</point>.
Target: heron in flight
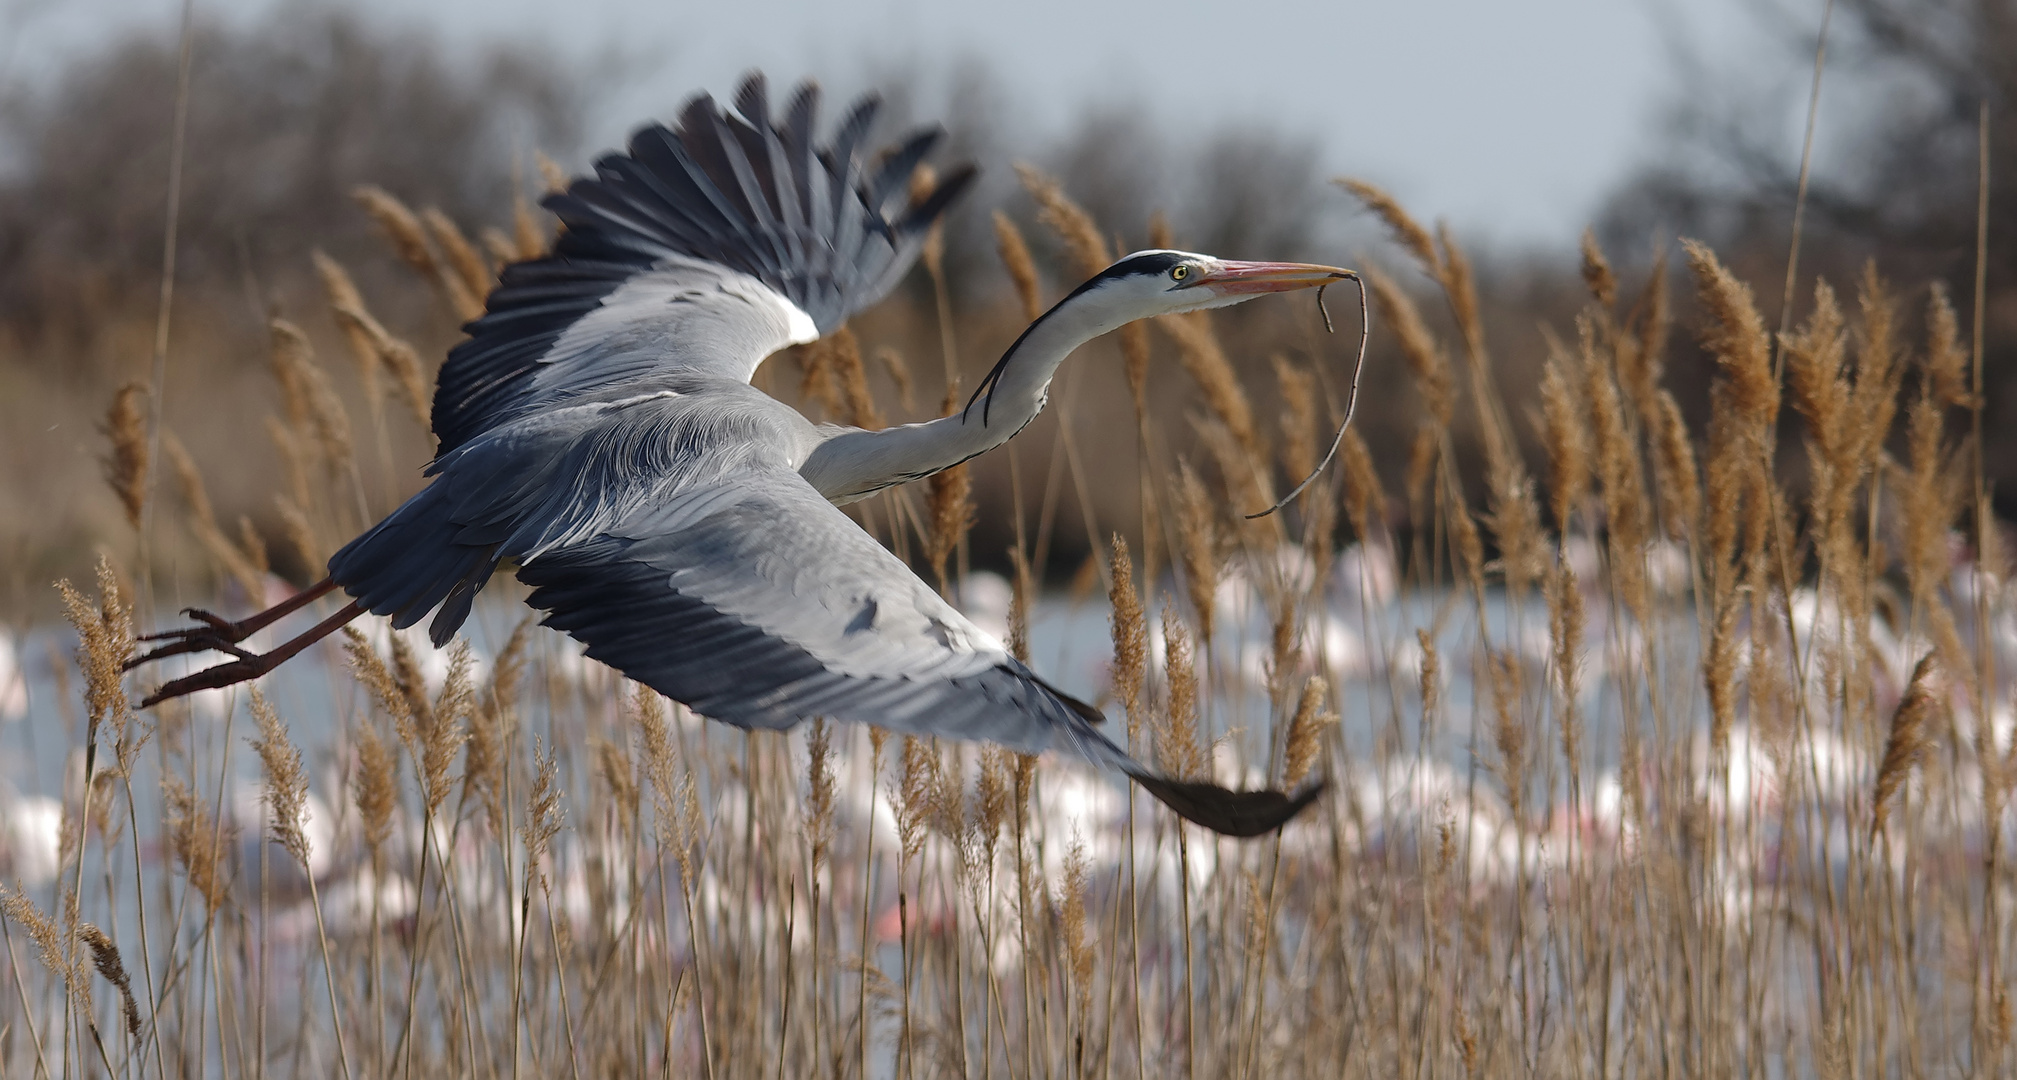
<point>598,431</point>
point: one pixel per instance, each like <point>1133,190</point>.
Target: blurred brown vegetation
<point>1895,178</point>
<point>288,117</point>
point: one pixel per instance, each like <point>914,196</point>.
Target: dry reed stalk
<point>949,509</point>
<point>375,791</point>
<point>1022,586</point>
<point>1084,245</point>
<point>817,381</point>
<point>311,403</point>
<point>49,943</point>
<point>1674,474</point>
<point>126,466</point>
<point>1910,736</point>
<point>375,348</point>
<point>893,365</point>
<point>104,644</point>
<point>286,791</point>
<point>1565,640</point>
<point>1735,335</point>
<point>527,235</point>
<point>203,519</point>
<point>1022,270</point>
<point>1197,549</point>
<point>1619,469</point>
<point>1205,360</point>
<point>199,848</point>
<point>460,259</point>
<point>1129,628</point>
<point>1597,275</point>
<point>852,377</point>
<point>500,245</point>
<point>1306,732</point>
<point>1946,357</point>
<point>1364,497</point>
<point>1567,438</point>
<point>105,957</point>
<point>1179,750</point>
<point>1509,732</point>
<point>1423,453</point>
<point>1427,361</point>
<point>1407,231</point>
<point>408,237</point>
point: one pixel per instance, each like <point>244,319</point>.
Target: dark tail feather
<point>410,562</point>
<point>1231,813</point>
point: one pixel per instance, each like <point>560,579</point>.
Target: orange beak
<point>1245,278</point>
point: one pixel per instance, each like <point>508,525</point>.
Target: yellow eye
<point>1178,273</point>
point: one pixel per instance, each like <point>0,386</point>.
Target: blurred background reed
<point>1661,663</point>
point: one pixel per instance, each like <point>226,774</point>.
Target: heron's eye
<point>1179,273</point>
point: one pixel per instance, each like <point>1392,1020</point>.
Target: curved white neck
<point>854,464</point>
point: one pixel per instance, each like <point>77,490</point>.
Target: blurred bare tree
<point>285,118</point>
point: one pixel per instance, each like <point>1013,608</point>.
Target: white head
<point>1149,283</point>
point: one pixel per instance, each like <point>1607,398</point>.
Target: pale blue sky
<point>1510,119</point>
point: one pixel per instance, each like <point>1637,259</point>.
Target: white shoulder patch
<point>797,323</point>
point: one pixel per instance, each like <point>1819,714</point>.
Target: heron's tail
<point>412,562</point>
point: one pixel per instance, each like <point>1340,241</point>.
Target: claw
<point>217,634</point>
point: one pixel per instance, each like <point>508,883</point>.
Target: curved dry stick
<point>1351,401</point>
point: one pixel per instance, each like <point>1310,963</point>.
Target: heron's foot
<point>215,633</point>
<point>222,675</point>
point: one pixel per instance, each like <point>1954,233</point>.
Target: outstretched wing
<point>703,247</point>
<point>756,602</point>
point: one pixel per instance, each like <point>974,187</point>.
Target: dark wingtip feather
<point>1240,814</point>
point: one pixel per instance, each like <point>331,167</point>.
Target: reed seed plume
<point>1567,438</point>
<point>1078,943</point>
<point>49,942</point>
<point>948,506</point>
<point>552,173</point>
<point>1640,365</point>
<point>1022,270</point>
<point>1179,750</point>
<point>853,379</point>
<point>1084,245</point>
<point>1022,586</point>
<point>1299,417</point>
<point>542,814</point>
<point>1910,736</point>
<point>1735,335</point>
<point>410,242</point>
<point>1597,275</point>
<point>375,791</point>
<point>378,679</point>
<point>1365,498</point>
<point>447,728</point>
<point>1129,628</point>
<point>126,464</point>
<point>466,277</point>
<point>286,785</point>
<point>1946,355</point>
<point>312,404</point>
<point>1674,474</point>
<point>1306,732</point>
<point>112,967</point>
<point>1427,361</point>
<point>912,794</point>
<point>198,841</point>
<point>1205,361</point>
<point>500,245</point>
<point>104,644</point>
<point>528,237</point>
<point>1408,232</point>
<point>819,379</point>
<point>894,366</point>
<point>1565,640</point>
<point>1197,548</point>
<point>374,347</point>
<point>203,519</point>
<point>1509,732</point>
<point>819,800</point>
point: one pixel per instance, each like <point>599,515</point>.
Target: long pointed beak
<point>1245,278</point>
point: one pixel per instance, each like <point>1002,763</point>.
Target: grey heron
<point>598,430</point>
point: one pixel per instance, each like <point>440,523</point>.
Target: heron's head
<point>1150,283</point>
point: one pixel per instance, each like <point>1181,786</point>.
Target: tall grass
<point>1658,766</point>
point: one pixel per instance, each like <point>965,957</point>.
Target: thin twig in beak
<point>1351,401</point>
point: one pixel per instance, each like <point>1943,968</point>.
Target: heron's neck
<point>854,464</point>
